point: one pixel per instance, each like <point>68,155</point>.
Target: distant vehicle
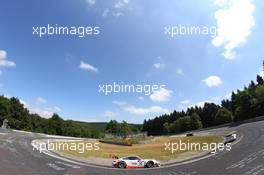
<point>135,162</point>
<point>230,138</point>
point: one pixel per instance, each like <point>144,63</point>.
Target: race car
<point>135,162</point>
<point>230,138</point>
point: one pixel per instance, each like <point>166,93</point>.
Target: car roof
<point>131,156</point>
<point>229,135</point>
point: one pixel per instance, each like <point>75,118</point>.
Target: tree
<point>54,125</point>
<point>252,85</point>
<point>124,129</point>
<point>18,115</point>
<point>208,114</point>
<point>4,108</point>
<point>173,126</point>
<point>112,127</point>
<point>243,106</point>
<point>258,106</point>
<point>227,104</point>
<point>181,125</point>
<point>166,128</point>
<point>223,115</point>
<point>195,122</point>
<point>260,80</point>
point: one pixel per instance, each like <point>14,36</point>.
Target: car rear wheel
<point>150,164</point>
<point>122,165</point>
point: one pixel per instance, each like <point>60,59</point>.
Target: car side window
<point>134,158</point>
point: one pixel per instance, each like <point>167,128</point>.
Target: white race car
<point>230,138</point>
<point>135,162</point>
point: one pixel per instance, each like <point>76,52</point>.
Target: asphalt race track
<point>246,158</point>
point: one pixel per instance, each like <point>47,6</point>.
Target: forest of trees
<point>20,118</point>
<point>244,104</point>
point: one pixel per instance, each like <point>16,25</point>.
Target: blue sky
<point>46,73</point>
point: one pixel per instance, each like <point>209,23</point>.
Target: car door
<point>139,161</point>
<point>133,161</point>
<point>129,161</point>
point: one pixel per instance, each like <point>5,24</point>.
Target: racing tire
<point>150,164</point>
<point>122,165</point>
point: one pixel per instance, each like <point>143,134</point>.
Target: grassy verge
<point>125,142</point>
<point>154,149</point>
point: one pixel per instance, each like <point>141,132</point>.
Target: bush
<point>189,134</point>
<point>117,141</point>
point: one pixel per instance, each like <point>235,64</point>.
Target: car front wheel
<point>150,164</point>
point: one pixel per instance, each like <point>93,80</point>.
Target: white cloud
<point>140,111</point>
<point>88,67</point>
<point>201,103</point>
<point>187,101</point>
<point>43,112</point>
<point>121,3</point>
<point>159,65</point>
<point>235,21</point>
<point>3,54</point>
<point>261,73</point>
<point>119,103</point>
<point>144,111</point>
<point>110,114</point>
<point>41,100</point>
<point>228,96</point>
<point>185,104</point>
<point>89,119</point>
<point>180,72</point>
<point>117,14</point>
<point>141,98</point>
<point>57,108</point>
<point>46,113</point>
<point>105,12</point>
<point>115,9</point>
<point>161,95</point>
<point>3,61</point>
<point>212,81</point>
<point>216,98</point>
<point>24,103</point>
<point>90,2</point>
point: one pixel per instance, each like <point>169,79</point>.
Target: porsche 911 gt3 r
<point>230,138</point>
<point>135,162</point>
